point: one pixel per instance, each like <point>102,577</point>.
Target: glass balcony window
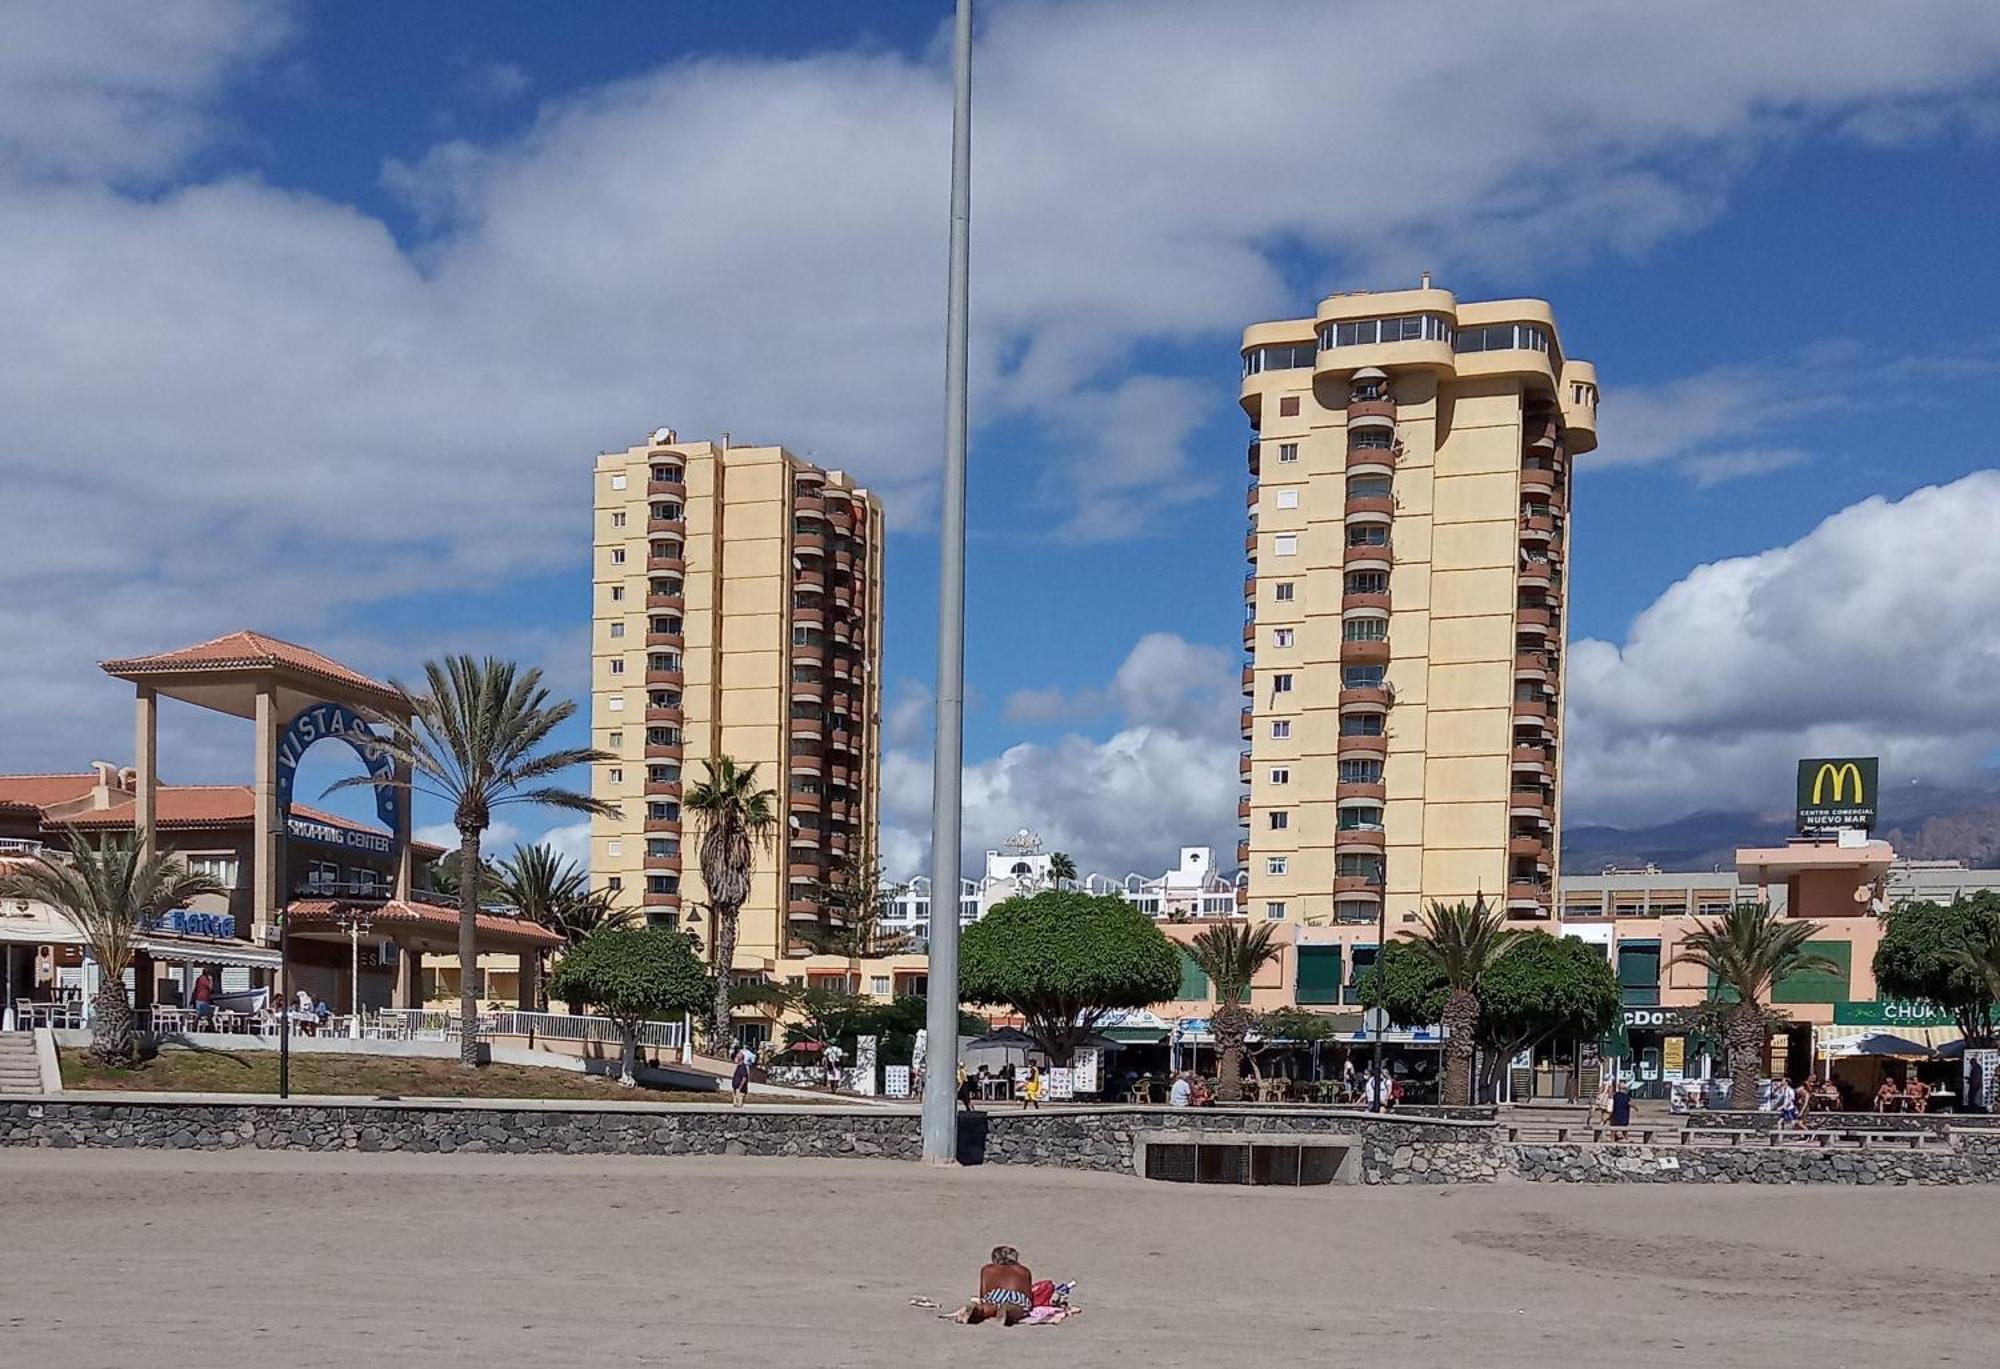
<point>1397,328</point>
<point>1285,356</point>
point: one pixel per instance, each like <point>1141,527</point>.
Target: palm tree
<point>546,887</point>
<point>1750,951</point>
<point>442,874</point>
<point>734,817</point>
<point>1462,941</point>
<point>110,892</point>
<point>1230,955</point>
<point>1062,869</point>
<point>1982,958</point>
<point>857,898</point>
<point>476,738</point>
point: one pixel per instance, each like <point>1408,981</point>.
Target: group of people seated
<point>1914,1096</point>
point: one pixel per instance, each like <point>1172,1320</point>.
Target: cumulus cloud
<point>1166,777</point>
<point>1872,634</point>
<point>229,403</point>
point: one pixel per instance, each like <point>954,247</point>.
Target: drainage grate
<point>1240,1162</point>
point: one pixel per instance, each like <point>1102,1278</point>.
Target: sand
<point>110,1258</point>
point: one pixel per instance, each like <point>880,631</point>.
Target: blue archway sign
<point>321,721</point>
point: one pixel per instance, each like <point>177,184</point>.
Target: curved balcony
<point>1249,635</point>
<point>1360,789</point>
<point>662,751</point>
<point>1533,617</point>
<point>1248,721</point>
<point>1531,708</point>
<point>809,543</point>
<point>1357,840</point>
<point>1250,585</point>
<point>676,526</point>
<point>802,909</point>
<point>1250,498</point>
<point>1364,653</point>
<point>1250,546</point>
<point>1243,765</point>
<point>814,616</point>
<point>1526,895</point>
<point>1243,852</point>
<point>657,788</point>
<point>807,764</point>
<point>1371,508</point>
<point>1359,746</point>
<point>662,825</point>
<point>804,869</point>
<point>665,677</point>
<point>1371,460</point>
<point>1538,527</point>
<point>1532,758</point>
<point>809,503</point>
<point>654,639</point>
<point>1351,600</point>
<point>807,802</point>
<point>1249,679</point>
<point>1527,846</point>
<point>1366,698</point>
<point>673,563</point>
<point>663,713</point>
<point>1538,479</point>
<point>676,489</point>
<point>1243,811</point>
<point>1366,558</point>
<point>1540,431</point>
<point>675,602</point>
<point>1358,886</point>
<point>1371,409</point>
<point>662,861</point>
<point>808,728</point>
<point>1536,575</point>
<point>809,653</point>
<point>1531,665</point>
<point>667,902</point>
<point>1528,803</point>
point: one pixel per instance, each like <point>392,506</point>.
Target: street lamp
<point>355,921</point>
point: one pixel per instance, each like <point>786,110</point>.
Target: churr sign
<point>316,724</point>
<point>1837,794</point>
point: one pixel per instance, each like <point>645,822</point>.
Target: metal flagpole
<point>941,1014</point>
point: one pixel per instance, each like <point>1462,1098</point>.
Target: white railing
<point>23,846</point>
<point>442,1024</point>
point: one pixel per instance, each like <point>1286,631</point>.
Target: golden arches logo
<point>1839,775</point>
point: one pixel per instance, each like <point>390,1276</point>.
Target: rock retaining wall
<point>1973,1159</point>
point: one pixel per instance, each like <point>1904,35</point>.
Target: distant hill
<point>1921,822</point>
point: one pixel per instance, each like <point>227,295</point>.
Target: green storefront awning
<point>1134,1036</point>
<point>1891,1012</point>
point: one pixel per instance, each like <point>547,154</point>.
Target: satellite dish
<point>662,436</point>
<point>1375,1020</point>
<point>1863,892</point>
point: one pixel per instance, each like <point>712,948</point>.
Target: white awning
<point>195,951</point>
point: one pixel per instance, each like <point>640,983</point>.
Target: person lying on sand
<point>1005,1291</point>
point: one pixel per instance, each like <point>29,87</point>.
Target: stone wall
<point>1936,1123</point>
<point>1973,1159</point>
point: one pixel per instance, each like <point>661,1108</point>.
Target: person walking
<point>204,1002</point>
<point>739,1081</point>
<point>1032,1089</point>
<point>1621,1107</point>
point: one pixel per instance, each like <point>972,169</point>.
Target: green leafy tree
<point>856,898</point>
<point>734,818</point>
<point>1062,960</point>
<point>1750,950</point>
<point>1923,955</point>
<point>1463,942</point>
<point>1405,985</point>
<point>633,976</point>
<point>109,892</point>
<point>1062,869</point>
<point>1548,988</point>
<point>1981,958</point>
<point>551,890</point>
<point>1284,1028</point>
<point>1230,955</point>
<point>477,737</point>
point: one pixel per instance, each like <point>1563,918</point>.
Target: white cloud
<point>1166,778</point>
<point>572,840</point>
<point>227,403</point>
<point>1872,634</point>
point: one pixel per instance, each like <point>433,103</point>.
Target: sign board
<point>896,1081</point>
<point>316,723</point>
<point>1652,1019</point>
<point>1062,1085</point>
<point>1673,1057</point>
<point>189,922</point>
<point>1891,1012</point>
<point>1085,1070</point>
<point>1837,794</point>
<point>348,838</point>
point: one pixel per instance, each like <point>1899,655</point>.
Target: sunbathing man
<point>1005,1290</point>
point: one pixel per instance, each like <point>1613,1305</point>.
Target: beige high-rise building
<point>736,610</point>
<point>1409,536</point>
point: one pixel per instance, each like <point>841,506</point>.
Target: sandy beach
<point>127,1258</point>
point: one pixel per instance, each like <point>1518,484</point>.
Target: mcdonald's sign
<point>1837,794</point>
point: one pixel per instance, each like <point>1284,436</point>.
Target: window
<point>1361,772</point>
<point>617,665</point>
<point>1281,775</point>
<point>615,775</point>
<point>1368,582</point>
<point>1277,865</point>
<point>618,594</point>
<point>618,556</point>
<point>1364,630</point>
<point>1288,452</point>
<point>1361,725</point>
<point>879,985</point>
<point>1368,867</point>
<point>1274,911</point>
<point>1368,535</point>
<point>1501,337</point>
<point>1281,728</point>
<point>614,740</point>
<point>1285,356</point>
<point>1400,328</point>
<point>1288,499</point>
<point>617,482</point>
<point>222,869</point>
<point>618,629</point>
<point>615,883</point>
<point>1361,819</point>
<point>614,847</point>
<point>618,519</point>
<point>1368,487</point>
<point>1285,544</point>
<point>658,847</point>
<point>1281,683</point>
<point>1280,821</point>
<point>1371,440</point>
<point>1288,407</point>
<point>1284,591</point>
<point>1281,636</point>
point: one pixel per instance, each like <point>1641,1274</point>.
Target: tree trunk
<point>628,1033</point>
<point>468,947</point>
<point>1746,1056</point>
<point>112,1039</point>
<point>1229,1024</point>
<point>721,1036</point>
<point>1461,1020</point>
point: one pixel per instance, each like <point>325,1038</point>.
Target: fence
<point>442,1024</point>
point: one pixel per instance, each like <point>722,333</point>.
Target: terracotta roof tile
<point>45,791</point>
<point>313,914</point>
<point>240,650</point>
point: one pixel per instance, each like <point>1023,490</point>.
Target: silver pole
<point>941,1014</point>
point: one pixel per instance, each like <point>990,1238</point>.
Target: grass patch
<point>179,1070</point>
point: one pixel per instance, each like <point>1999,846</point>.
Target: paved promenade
<point>306,1260</point>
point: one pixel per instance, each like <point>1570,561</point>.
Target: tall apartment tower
<point>736,611</point>
<point>1409,538</point>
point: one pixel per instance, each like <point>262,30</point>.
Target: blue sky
<point>322,310</point>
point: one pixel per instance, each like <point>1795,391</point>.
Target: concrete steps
<point>20,1070</point>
